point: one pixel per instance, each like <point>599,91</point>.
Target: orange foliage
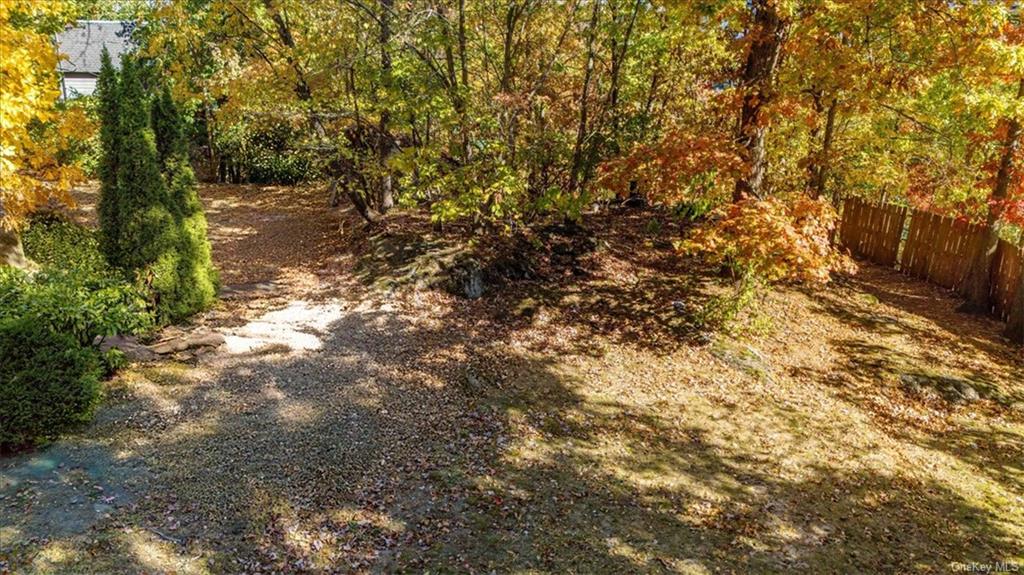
<point>773,240</point>
<point>674,168</point>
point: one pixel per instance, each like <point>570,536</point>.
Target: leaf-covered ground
<point>358,421</point>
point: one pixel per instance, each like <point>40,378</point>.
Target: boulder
<point>128,345</point>
<point>952,389</point>
<point>467,278</point>
<point>188,341</point>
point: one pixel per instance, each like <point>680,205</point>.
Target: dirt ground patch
<point>560,424</point>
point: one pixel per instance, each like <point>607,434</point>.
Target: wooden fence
<point>873,231</point>
<point>1007,278</point>
<point>930,247</point>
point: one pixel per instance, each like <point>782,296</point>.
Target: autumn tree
<point>31,130</point>
<point>765,36</point>
<point>508,110</point>
<point>977,287</point>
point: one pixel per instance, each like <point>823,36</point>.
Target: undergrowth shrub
<point>49,373</point>
<point>693,210</point>
<point>763,242</point>
<point>73,303</point>
<point>49,382</point>
<point>266,153</point>
<point>54,242</point>
<point>75,292</point>
<point>772,240</point>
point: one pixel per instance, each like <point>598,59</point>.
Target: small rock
<point>210,339</point>
<point>969,393</point>
<point>741,357</point>
<point>188,341</point>
<point>473,382</point>
<point>169,346</point>
<point>704,338</point>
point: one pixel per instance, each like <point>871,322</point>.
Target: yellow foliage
<point>30,171</point>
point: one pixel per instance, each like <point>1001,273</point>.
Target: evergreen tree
<point>107,90</point>
<point>197,278</point>
<point>151,218</point>
<point>168,128</point>
<point>145,226</point>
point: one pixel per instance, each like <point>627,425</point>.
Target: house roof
<point>83,44</point>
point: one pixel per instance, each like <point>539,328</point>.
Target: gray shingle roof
<point>84,43</point>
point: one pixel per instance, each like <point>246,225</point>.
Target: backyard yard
<point>357,420</point>
<point>511,286</point>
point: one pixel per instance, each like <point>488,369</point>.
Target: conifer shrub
<point>197,278</point>
<point>109,107</point>
<point>152,221</point>
<point>49,320</point>
<point>49,382</point>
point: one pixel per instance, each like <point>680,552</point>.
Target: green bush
<point>49,373</point>
<point>694,210</point>
<point>196,280</point>
<point>267,167</point>
<point>72,303</point>
<point>49,382</point>
<point>54,242</point>
<point>76,292</point>
<point>113,360</point>
<point>269,152</point>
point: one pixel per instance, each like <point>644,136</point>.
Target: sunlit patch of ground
<point>300,326</point>
<point>554,426</point>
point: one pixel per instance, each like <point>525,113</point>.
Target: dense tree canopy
<point>502,109</point>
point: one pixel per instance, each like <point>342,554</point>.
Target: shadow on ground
<point>391,447</point>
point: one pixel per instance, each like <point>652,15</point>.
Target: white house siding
<point>75,86</point>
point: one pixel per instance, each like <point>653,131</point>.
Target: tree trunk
<point>581,131</point>
<point>820,164</point>
<point>619,56</point>
<point>463,129</point>
<point>768,32</point>
<point>385,196</point>
<point>512,15</point>
<point>11,252</point>
<point>1015,325</point>
<point>977,287</point>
